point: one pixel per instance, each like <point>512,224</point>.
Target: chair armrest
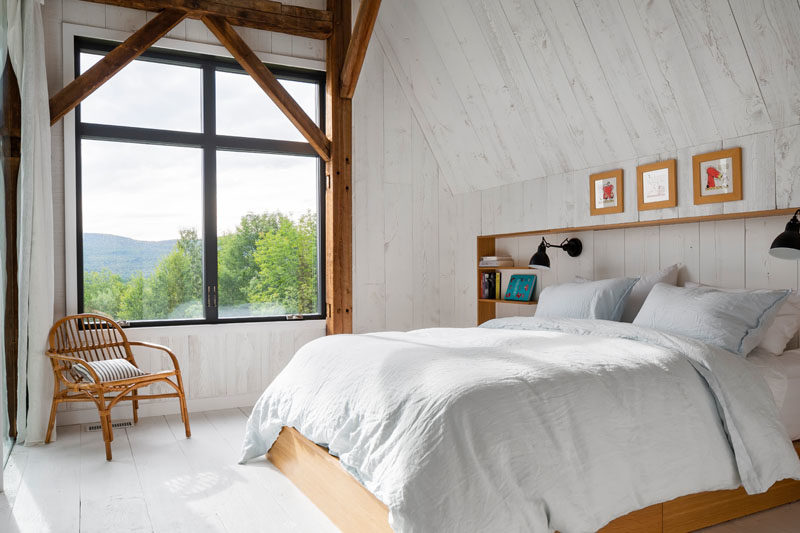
<point>157,347</point>
<point>74,361</point>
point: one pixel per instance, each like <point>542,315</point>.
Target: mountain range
<point>122,255</point>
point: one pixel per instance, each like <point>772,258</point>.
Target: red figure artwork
<point>608,191</point>
<point>713,174</point>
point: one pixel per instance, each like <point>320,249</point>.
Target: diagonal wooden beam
<point>269,83</point>
<point>357,49</point>
<point>70,96</point>
<point>259,14</point>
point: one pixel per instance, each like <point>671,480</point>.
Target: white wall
<point>223,366</point>
<point>413,241</point>
<point>427,78</point>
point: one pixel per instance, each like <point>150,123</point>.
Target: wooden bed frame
<point>353,508</point>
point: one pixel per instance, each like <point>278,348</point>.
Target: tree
<point>268,265</point>
<point>236,263</point>
<point>287,266</point>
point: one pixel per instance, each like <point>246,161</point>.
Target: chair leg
<point>135,406</point>
<point>184,410</point>
<point>52,422</point>
<point>105,422</point>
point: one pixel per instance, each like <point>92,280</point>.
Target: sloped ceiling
<point>510,90</point>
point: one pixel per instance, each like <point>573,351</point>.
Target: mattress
<point>782,374</point>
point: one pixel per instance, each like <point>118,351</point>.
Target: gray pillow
<point>604,299</point>
<point>735,321</point>
<point>642,289</point>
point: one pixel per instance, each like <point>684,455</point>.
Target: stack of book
<point>490,285</point>
<point>496,261</point>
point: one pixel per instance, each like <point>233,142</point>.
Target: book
<point>521,287</point>
<point>496,261</point>
<point>490,285</point>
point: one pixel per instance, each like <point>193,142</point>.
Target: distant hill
<point>122,255</point>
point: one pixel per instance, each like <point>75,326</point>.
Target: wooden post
<point>338,198</point>
<point>10,132</point>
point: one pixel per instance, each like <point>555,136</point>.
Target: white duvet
<point>526,424</point>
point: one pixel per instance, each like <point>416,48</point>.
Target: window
<point>198,201</point>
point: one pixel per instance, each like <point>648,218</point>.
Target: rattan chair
<point>88,338</point>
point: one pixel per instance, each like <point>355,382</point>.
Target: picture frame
<point>606,193</point>
<point>657,185</point>
<point>717,176</point>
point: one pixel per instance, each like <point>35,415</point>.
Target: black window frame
<point>209,142</point>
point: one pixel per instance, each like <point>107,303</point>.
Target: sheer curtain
<point>35,233</point>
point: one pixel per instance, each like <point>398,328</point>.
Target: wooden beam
<point>269,83</point>
<point>338,197</point>
<point>70,96</point>
<point>10,138</point>
<point>261,14</point>
<point>354,59</point>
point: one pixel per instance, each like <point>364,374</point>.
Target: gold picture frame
<point>657,185</point>
<point>717,176</point>
<point>606,193</point>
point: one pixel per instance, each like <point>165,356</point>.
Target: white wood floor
<point>160,481</point>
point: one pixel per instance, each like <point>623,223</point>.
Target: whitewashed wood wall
<point>730,254</point>
<point>519,101</point>
<point>511,91</point>
<point>223,366</point>
<point>413,241</point>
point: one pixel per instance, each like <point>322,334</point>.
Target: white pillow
<point>601,300</point>
<point>643,287</point>
<point>784,326</point>
<point>734,321</point>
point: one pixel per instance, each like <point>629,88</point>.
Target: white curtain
<point>35,230</point>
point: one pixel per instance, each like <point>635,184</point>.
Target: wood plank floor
<point>162,482</point>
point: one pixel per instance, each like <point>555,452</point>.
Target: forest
<point>266,267</point>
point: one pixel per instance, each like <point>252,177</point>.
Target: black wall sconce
<point>787,244</point>
<point>540,261</point>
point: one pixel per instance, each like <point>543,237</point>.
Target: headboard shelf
<point>731,254</point>
<point>645,223</point>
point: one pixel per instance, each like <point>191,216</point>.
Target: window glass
<point>244,110</point>
<point>267,220</point>
<point>146,94</point>
<point>142,221</point>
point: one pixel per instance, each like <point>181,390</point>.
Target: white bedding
<point>534,426</point>
<point>782,374</point>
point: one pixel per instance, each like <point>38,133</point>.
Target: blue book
<point>521,287</point>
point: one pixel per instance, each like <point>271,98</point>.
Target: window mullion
<point>210,296</point>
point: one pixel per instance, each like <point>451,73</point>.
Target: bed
<point>431,430</point>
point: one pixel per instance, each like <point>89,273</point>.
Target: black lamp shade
<point>540,259</point>
<point>787,244</point>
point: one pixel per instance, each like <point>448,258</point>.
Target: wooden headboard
<point>728,250</point>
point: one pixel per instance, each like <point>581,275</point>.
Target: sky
<point>150,192</point>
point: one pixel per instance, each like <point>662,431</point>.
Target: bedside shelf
<point>517,302</point>
<point>492,269</point>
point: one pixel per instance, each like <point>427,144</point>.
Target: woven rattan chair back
<point>89,338</point>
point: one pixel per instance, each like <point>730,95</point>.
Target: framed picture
<point>717,176</point>
<point>605,193</point>
<point>657,185</point>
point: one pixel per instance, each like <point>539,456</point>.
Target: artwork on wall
<point>605,193</point>
<point>657,185</point>
<point>717,176</point>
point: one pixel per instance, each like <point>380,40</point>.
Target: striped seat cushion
<point>111,370</point>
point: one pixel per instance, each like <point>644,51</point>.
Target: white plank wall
<point>510,91</point>
<point>731,254</point>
